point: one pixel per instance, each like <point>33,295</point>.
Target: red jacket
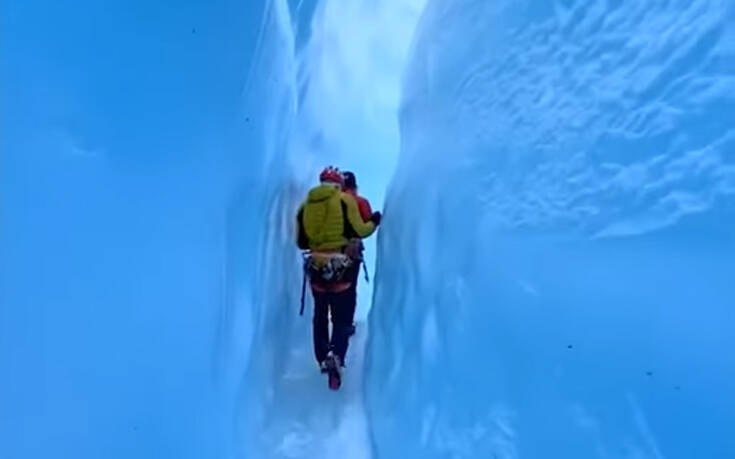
<point>365,211</point>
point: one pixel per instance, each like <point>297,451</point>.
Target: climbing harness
<point>323,267</point>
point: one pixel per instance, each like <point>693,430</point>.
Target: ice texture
<point>139,161</point>
<point>555,268</point>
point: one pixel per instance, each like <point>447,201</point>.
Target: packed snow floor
<point>308,419</point>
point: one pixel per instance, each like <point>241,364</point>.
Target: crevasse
<point>554,271</point>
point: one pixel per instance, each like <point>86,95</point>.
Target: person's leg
<point>341,322</point>
<point>321,325</point>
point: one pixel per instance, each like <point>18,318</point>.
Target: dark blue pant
<point>342,312</point>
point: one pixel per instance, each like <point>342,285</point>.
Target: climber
<point>350,187</point>
<point>355,247</point>
<point>325,222</point>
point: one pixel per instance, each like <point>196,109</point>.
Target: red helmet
<point>331,174</point>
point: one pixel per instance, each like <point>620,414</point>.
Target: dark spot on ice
<point>193,30</point>
<point>569,346</point>
<point>677,387</point>
<point>247,119</point>
<point>649,373</point>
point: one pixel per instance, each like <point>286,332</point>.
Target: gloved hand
<point>376,217</point>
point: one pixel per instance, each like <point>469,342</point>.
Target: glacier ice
<point>555,267</point>
<point>140,153</point>
<point>553,273</point>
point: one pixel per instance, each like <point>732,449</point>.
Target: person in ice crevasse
<point>326,221</point>
<point>356,247</point>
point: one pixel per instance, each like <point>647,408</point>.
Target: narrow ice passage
<point>553,275</point>
<point>345,115</point>
<point>307,420</point>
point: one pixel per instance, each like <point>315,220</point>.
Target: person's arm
<point>362,228</point>
<point>365,211</point>
<point>301,239</point>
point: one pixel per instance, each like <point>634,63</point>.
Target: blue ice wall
<point>138,158</point>
<point>555,265</point>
